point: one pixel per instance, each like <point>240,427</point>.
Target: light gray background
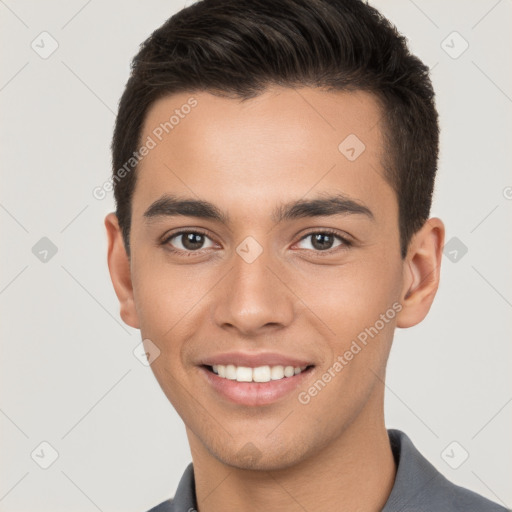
<point>68,373</point>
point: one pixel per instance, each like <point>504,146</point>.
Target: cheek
<point>353,297</point>
<point>165,305</point>
<point>171,302</point>
<point>165,295</point>
<point>359,304</point>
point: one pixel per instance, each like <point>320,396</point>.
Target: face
<point>264,237</point>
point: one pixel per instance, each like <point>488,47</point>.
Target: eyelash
<point>346,244</point>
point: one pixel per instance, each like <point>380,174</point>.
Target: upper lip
<point>255,360</point>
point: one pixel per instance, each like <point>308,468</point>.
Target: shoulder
<point>419,486</point>
<point>185,497</point>
<point>165,506</point>
<point>449,496</point>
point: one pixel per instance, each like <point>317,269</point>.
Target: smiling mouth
<point>259,374</point>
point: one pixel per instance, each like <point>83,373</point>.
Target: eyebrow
<point>338,204</point>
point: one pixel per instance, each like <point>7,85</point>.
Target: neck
<point>355,472</point>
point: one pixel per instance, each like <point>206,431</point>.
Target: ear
<point>422,267</point>
<point>120,273</point>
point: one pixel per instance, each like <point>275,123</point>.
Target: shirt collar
<point>414,478</point>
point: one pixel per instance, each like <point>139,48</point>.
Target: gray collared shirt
<point>418,487</point>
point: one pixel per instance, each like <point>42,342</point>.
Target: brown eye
<point>322,241</point>
<point>192,241</point>
<point>188,241</point>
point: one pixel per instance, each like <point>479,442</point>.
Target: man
<point>274,163</point>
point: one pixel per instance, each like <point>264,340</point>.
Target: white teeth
<point>277,372</point>
<point>244,374</point>
<point>289,371</point>
<point>258,374</point>
<point>231,373</point>
<point>261,374</point>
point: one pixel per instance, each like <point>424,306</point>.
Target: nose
<point>253,297</point>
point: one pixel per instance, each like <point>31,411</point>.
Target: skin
<point>247,158</point>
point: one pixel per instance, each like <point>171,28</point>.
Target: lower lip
<point>254,393</point>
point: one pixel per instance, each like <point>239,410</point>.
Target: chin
<point>268,458</point>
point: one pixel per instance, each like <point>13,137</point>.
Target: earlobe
<point>421,273</point>
<point>120,273</point>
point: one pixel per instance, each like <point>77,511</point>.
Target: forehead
<point>282,144</point>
